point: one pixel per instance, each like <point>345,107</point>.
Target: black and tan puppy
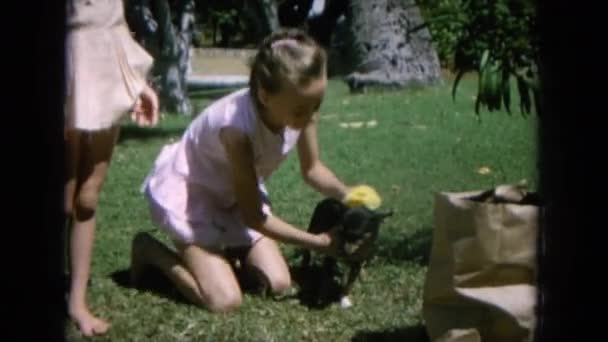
<point>358,229</point>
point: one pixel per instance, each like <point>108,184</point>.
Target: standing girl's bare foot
<point>88,324</point>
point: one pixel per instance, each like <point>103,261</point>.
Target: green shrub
<point>504,31</point>
<point>445,20</point>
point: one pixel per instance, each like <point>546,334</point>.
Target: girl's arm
<point>240,155</point>
<point>314,172</point>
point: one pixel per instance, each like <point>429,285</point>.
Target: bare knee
<point>276,282</point>
<point>86,200</point>
<point>223,301</point>
<point>279,283</point>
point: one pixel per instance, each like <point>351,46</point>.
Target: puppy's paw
<point>345,302</point>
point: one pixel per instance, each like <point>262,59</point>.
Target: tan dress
<point>106,67</point>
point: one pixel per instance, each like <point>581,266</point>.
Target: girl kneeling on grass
<point>207,190</point>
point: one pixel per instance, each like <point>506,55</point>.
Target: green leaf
<point>485,56</point>
<point>506,90</point>
<point>524,96</point>
<point>456,81</point>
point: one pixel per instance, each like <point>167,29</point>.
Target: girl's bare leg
<point>146,250</point>
<point>88,160</point>
<point>266,261</point>
<point>203,277</point>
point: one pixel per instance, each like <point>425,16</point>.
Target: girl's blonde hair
<point>286,55</point>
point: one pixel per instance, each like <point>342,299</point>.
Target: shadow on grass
<point>414,247</point>
<point>414,334</point>
<point>152,281</point>
<point>131,132</point>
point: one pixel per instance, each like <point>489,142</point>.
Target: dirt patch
<point>221,61</point>
<point>215,61</point>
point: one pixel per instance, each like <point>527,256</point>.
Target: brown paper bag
<point>482,267</point>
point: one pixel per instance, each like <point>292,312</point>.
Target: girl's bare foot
<point>88,324</point>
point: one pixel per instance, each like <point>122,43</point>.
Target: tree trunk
<point>141,20</point>
<point>386,44</point>
<point>187,30</point>
<point>262,16</point>
<point>269,10</point>
<point>169,44</point>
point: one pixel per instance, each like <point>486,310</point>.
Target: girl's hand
<point>329,243</point>
<point>145,111</point>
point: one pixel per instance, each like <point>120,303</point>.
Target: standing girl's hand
<point>145,111</point>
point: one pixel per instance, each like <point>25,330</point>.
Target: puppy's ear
<point>327,214</point>
<point>383,215</point>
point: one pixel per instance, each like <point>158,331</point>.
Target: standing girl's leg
<point>88,159</point>
<point>266,260</point>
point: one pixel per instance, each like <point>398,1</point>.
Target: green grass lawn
<point>422,143</point>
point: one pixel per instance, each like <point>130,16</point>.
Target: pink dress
<point>106,68</point>
<point>190,188</point>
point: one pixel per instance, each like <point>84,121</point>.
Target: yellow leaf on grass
<point>328,116</point>
<point>358,124</point>
<point>484,170</point>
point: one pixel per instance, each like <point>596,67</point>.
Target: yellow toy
<point>363,195</point>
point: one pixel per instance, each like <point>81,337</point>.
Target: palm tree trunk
<point>169,44</point>
<point>387,45</point>
<point>264,18</point>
